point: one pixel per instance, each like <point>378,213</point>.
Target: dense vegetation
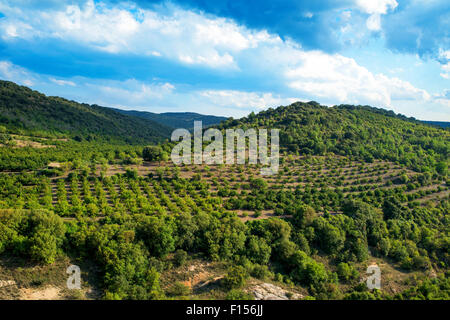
<point>355,185</point>
<point>357,131</point>
<point>176,119</point>
<point>25,110</point>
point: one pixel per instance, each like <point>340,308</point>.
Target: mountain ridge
<point>176,119</point>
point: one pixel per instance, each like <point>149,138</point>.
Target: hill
<point>27,111</point>
<point>176,119</point>
<point>362,132</point>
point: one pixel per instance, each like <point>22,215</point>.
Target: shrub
<point>180,257</point>
<point>236,294</point>
<point>235,278</point>
<point>179,289</point>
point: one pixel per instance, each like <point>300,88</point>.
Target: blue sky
<point>232,57</point>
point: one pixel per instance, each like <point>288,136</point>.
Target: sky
<point>232,57</point>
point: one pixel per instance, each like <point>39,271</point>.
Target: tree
<point>157,235</point>
<point>152,153</point>
<point>392,209</point>
<point>304,216</point>
<point>258,251</point>
<point>306,270</point>
<point>235,278</point>
<point>346,272</point>
<point>442,168</point>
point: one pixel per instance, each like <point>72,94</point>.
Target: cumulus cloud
<point>443,98</point>
<point>374,22</point>
<point>183,35</point>
<point>339,79</point>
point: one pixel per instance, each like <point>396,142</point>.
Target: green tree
<point>235,278</point>
<point>152,153</point>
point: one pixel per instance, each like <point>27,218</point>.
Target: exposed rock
<point>6,283</point>
<point>268,291</point>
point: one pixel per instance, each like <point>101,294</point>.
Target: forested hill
<point>360,131</point>
<point>28,111</point>
<point>176,119</point>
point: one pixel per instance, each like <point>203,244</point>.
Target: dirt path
<point>49,293</point>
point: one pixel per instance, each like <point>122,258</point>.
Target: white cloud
<point>376,6</point>
<point>186,36</point>
<point>131,92</point>
<point>11,72</point>
<point>155,53</point>
<point>339,79</point>
<point>62,82</point>
<point>246,100</point>
<point>445,54</point>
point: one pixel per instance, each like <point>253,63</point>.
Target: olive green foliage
<point>235,278</point>
<point>37,234</point>
<point>154,153</point>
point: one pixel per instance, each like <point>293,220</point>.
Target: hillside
<point>358,131</point>
<point>176,119</point>
<point>25,110</point>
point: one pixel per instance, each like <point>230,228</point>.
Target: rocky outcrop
<point>268,291</point>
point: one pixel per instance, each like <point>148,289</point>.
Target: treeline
<point>89,153</point>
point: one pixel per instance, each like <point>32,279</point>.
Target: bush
<point>235,278</point>
<point>346,272</point>
<point>179,289</point>
<point>236,294</point>
<point>261,272</point>
<point>180,257</point>
<point>37,234</point>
